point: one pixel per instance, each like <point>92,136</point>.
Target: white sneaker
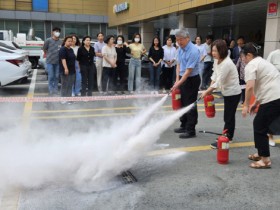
<point>63,102</point>
<point>164,91</point>
<point>272,143</point>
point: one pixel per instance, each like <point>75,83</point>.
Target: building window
<point>94,30</point>
<point>112,31</point>
<point>2,25</point>
<point>39,29</point>
<point>24,26</point>
<point>11,25</point>
<point>80,29</point>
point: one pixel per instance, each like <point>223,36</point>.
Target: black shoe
<point>180,130</point>
<point>187,135</point>
<point>214,145</point>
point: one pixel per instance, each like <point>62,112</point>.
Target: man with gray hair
<point>188,81</point>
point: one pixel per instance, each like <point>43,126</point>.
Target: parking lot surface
<point>59,156</point>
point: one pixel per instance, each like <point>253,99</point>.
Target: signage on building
<point>120,7</point>
<point>272,9</point>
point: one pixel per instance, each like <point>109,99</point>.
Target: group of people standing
<point>262,79</point>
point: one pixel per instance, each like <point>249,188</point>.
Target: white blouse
<point>226,77</point>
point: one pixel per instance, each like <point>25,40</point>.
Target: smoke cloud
<point>86,161</point>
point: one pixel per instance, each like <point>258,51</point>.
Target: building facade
<point>257,20</point>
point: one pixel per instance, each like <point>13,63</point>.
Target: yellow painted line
<point>10,199</point>
<point>199,148</point>
<point>102,109</point>
<point>102,115</point>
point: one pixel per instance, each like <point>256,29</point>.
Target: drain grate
<point>128,177</point>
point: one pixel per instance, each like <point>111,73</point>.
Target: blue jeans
<point>154,76</point>
<point>78,80</point>
<point>53,77</point>
<point>134,69</point>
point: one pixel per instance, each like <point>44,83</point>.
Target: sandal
<point>254,157</point>
<point>261,165</point>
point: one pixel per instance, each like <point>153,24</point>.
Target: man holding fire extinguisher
<point>225,77</point>
<point>188,81</point>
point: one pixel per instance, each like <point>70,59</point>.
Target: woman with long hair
<point>85,57</point>
<point>78,79</point>
<point>137,50</point>
<point>155,56</point>
<point>121,49</point>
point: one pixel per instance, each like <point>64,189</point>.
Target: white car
<point>13,67</point>
<point>12,46</point>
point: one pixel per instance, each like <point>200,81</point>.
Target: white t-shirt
<point>110,53</point>
<point>202,51</point>
<point>226,77</point>
<point>274,58</point>
<point>267,79</point>
<point>208,58</point>
<point>169,54</point>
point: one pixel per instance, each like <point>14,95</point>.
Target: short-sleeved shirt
<point>208,57</point>
<point>52,47</point>
<point>69,56</point>
<point>226,77</point>
<point>202,51</point>
<point>98,48</point>
<point>110,53</point>
<point>188,58</point>
<point>156,55</point>
<point>136,50</point>
<point>169,54</point>
<point>274,58</point>
<point>85,57</point>
<point>267,79</point>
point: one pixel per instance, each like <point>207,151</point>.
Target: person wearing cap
<point>263,79</point>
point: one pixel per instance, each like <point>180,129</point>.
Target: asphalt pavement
<point>174,174</point>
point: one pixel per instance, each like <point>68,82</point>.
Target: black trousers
<point>87,73</point>
<point>120,73</point>
<point>189,92</point>
<point>167,77</point>
<point>267,113</point>
<point>231,103</point>
<point>207,73</point>
<point>108,75</point>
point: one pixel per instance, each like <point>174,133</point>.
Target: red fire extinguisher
<point>223,148</point>
<point>176,99</point>
<point>209,106</point>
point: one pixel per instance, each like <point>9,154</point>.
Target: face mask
<point>119,42</point>
<point>137,39</point>
<point>56,34</point>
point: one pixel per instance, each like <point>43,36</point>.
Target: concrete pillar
<point>189,21</point>
<point>147,32</point>
<point>122,30</point>
<point>272,31</point>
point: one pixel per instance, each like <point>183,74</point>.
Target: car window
<point>7,46</point>
<point>16,46</point>
<point>7,51</point>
